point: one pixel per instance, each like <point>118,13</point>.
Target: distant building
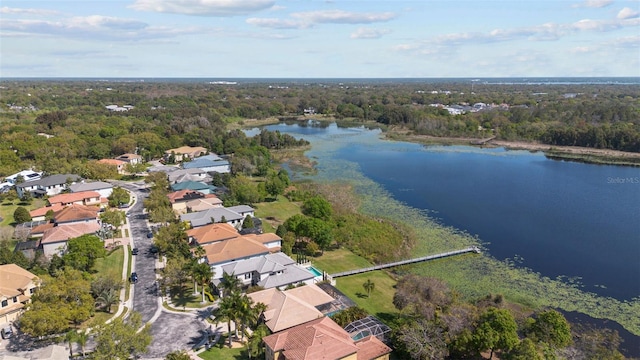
<point>27,175</point>
<point>185,152</point>
<point>118,164</point>
<point>103,188</point>
<point>48,185</point>
<point>17,285</point>
<point>130,158</point>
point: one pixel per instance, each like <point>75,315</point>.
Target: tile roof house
<point>212,233</point>
<point>130,158</point>
<point>185,152</point>
<point>284,309</point>
<point>220,253</point>
<point>178,199</point>
<point>87,198</point>
<point>54,240</point>
<point>213,215</point>
<point>76,214</point>
<point>194,185</point>
<point>118,164</point>
<point>103,188</point>
<point>40,213</point>
<point>322,339</point>
<point>16,287</point>
<point>276,270</point>
<point>209,202</point>
<point>48,185</point>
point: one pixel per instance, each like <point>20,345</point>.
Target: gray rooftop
<point>50,180</point>
<point>263,264</point>
<point>293,274</point>
<point>202,218</point>
<point>241,209</point>
<point>90,186</point>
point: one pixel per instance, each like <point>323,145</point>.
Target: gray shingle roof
<point>202,218</point>
<point>241,209</point>
<point>50,180</point>
<point>263,264</point>
<point>90,186</point>
<point>293,274</point>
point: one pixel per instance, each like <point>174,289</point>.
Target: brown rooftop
<point>14,280</point>
<point>213,233</point>
<point>233,249</point>
<point>66,232</point>
<point>76,213</point>
<point>73,197</point>
<point>43,210</point>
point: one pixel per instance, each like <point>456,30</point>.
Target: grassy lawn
<point>111,265</point>
<point>99,318</point>
<point>216,353</point>
<point>7,209</point>
<point>380,303</point>
<point>184,297</point>
<point>274,213</point>
<point>339,260</point>
<point>127,288</point>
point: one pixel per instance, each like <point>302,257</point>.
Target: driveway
<point>175,332</point>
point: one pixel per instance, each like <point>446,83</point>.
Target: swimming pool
<point>315,271</point>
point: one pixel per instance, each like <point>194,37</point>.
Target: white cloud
<point>593,4</point>
<point>544,32</point>
<point>342,17</point>
<point>302,20</point>
<point>37,12</point>
<point>94,27</point>
<point>369,33</point>
<point>628,13</point>
<point>220,8</point>
<point>278,23</point>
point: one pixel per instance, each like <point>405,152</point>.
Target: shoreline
<point>568,153</point>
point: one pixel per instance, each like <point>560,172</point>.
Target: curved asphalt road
<point>170,331</point>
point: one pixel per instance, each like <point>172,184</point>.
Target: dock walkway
<point>470,249</point>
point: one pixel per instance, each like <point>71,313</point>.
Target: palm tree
<point>198,253</point>
<point>230,284</point>
<point>244,307</point>
<point>70,336</point>
<point>226,312</point>
<point>254,346</point>
<point>202,273</point>
<point>108,298</point>
<point>81,339</point>
<point>369,286</point>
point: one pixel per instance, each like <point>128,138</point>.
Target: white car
<point>6,332</point>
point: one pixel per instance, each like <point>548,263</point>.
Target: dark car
<point>134,277</point>
<point>123,206</point>
<point>149,235</point>
<point>6,332</point>
<point>134,251</point>
<point>153,249</point>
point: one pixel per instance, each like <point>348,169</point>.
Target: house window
<point>32,290</point>
<point>15,299</point>
<point>247,276</point>
<point>5,303</point>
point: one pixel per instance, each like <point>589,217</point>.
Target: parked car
<point>123,206</point>
<point>134,277</point>
<point>134,251</point>
<point>153,249</point>
<point>149,235</point>
<point>6,332</point>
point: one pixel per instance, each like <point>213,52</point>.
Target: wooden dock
<point>470,249</point>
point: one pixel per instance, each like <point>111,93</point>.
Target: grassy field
<point>7,208</point>
<point>380,302</point>
<point>274,213</point>
<point>339,260</point>
<point>111,265</point>
<point>184,297</point>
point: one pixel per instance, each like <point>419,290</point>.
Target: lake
<point>561,219</point>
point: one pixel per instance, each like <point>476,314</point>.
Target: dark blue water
<point>563,218</point>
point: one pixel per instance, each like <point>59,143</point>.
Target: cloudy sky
<point>319,39</point>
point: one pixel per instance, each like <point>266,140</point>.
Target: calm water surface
<point>561,218</point>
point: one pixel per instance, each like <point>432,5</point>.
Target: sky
<point>319,39</point>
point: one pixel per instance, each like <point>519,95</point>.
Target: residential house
<point>275,270</point>
<point>27,175</point>
<point>239,248</point>
<point>192,174</point>
<point>244,210</point>
<point>48,185</point>
<point>185,152</point>
<point>179,199</point>
<point>40,213</point>
<point>209,202</point>
<point>272,241</point>
<point>76,214</point>
<point>322,339</point>
<point>214,215</point>
<point>211,233</point>
<point>131,158</point>
<point>103,188</point>
<point>209,163</point>
<point>285,309</point>
<point>194,185</point>
<point>17,285</point>
<point>54,240</point>
<point>87,198</point>
<point>163,168</point>
<point>118,164</point>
